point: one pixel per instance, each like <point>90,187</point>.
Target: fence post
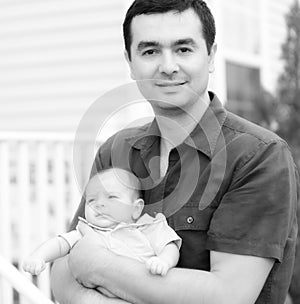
<point>6,291</point>
<point>22,284</point>
<point>41,190</point>
<point>23,205</point>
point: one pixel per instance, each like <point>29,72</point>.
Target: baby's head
<point>113,196</point>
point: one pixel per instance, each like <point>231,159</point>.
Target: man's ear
<point>212,58</point>
<point>129,64</point>
<point>138,208</point>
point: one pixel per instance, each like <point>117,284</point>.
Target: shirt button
<point>190,219</point>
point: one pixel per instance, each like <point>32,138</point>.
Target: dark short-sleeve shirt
<point>231,186</point>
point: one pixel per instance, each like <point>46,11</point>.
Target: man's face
<point>169,59</point>
<point>109,201</point>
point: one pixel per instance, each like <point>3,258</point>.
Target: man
<point>227,186</point>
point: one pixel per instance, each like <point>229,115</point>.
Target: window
<point>243,87</point>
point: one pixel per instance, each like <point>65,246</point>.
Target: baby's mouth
<point>100,214</point>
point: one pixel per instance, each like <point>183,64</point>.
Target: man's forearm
<point>130,280</point>
<point>239,282</point>
<point>137,285</point>
<point>234,279</point>
<point>68,291</point>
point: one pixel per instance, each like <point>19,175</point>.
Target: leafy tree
<point>288,91</point>
<point>281,113</point>
<point>288,110</point>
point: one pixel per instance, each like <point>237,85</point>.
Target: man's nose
<point>168,64</point>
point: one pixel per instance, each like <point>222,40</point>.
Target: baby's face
<point>109,201</point>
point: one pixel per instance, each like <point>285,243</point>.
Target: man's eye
<point>90,201</point>
<point>184,50</point>
<point>150,52</point>
<point>112,196</point>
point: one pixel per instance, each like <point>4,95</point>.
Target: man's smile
<point>169,83</point>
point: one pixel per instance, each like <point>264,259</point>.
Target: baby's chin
<point>103,222</point>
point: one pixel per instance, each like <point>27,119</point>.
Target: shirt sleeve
<point>160,234</point>
<point>72,237</point>
<point>257,214</point>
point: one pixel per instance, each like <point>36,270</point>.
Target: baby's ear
<point>138,208</point>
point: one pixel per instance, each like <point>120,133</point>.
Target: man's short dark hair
<point>148,7</point>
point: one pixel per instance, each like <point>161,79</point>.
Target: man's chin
<point>171,105</point>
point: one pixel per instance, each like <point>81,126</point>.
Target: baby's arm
<point>49,251</point>
<point>167,259</point>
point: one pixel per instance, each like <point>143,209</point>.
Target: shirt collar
<point>145,137</point>
<point>203,137</point>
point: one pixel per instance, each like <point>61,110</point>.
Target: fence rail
<point>22,284</point>
<point>38,197</point>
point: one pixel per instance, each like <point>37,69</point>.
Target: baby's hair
<point>126,177</point>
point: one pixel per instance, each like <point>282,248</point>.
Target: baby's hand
<point>157,266</point>
<point>34,266</point>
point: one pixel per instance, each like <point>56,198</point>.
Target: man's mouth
<point>170,83</point>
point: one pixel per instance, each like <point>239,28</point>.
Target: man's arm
<point>234,279</point>
<point>68,291</point>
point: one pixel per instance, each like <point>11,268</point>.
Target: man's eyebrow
<point>188,41</point>
<point>145,44</point>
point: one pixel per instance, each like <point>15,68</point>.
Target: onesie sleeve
<point>72,237</point>
<point>160,234</point>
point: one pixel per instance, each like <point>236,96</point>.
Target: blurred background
<point>58,57</point>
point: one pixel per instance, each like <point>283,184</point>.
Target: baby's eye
<point>112,196</point>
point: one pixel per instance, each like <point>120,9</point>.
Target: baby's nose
<point>97,207</point>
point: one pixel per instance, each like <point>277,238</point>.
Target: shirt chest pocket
<point>190,217</point>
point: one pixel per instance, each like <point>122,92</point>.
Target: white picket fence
<point>39,194</point>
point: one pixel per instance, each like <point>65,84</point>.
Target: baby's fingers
<point>156,266</point>
<point>38,268</point>
<point>34,267</point>
<point>164,270</point>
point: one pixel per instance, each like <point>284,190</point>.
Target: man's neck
<point>175,126</point>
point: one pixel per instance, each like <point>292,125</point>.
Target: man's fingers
<point>84,228</point>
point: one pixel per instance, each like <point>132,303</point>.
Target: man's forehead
<point>149,27</point>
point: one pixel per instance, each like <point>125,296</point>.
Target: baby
<point>113,209</point>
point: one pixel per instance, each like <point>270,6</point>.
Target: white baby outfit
<point>140,240</point>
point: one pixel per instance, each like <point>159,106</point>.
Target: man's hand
<point>105,292</point>
<point>84,228</point>
<point>67,290</point>
<point>85,256</point>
